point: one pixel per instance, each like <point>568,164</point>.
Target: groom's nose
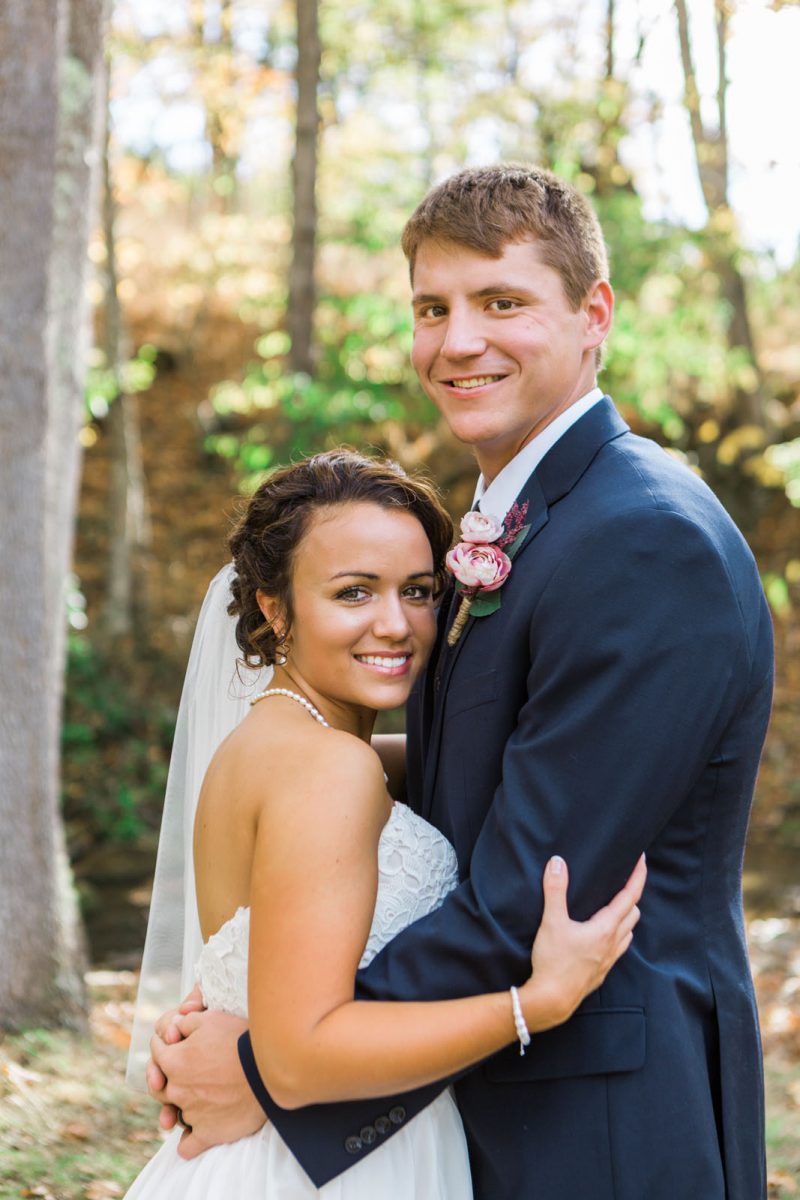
<point>464,336</point>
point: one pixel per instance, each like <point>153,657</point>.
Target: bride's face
<point>362,594</point>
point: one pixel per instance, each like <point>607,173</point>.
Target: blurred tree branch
<point>749,401</point>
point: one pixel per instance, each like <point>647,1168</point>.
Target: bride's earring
<point>282,650</point>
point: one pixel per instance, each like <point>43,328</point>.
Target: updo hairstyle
<point>266,537</point>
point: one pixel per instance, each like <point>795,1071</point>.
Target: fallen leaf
<point>142,1135</point>
<point>103,1189</point>
<point>781,1183</point>
<point>79,1130</point>
<point>19,1076</point>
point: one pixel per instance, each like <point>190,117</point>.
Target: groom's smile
<point>472,383</point>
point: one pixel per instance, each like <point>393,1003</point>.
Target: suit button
<point>368,1135</point>
<point>397,1114</point>
<point>353,1144</point>
<point>382,1125</point>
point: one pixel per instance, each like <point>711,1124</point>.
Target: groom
<point>616,702</point>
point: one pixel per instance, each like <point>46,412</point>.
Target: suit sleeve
<point>639,656</point>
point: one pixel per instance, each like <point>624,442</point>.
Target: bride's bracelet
<point>523,1033</point>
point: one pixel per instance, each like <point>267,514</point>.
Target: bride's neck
<point>352,718</point>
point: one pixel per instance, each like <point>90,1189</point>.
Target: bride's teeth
<point>375,660</point>
<point>472,383</point>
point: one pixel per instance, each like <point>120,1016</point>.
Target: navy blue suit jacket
<point>617,702</point>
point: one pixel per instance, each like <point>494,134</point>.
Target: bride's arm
<point>313,893</point>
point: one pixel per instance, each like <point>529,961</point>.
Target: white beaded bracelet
<point>523,1033</point>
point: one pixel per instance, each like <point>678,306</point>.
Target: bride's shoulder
<point>294,759</point>
<point>328,797</point>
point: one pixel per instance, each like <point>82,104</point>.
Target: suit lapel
<point>555,476</point>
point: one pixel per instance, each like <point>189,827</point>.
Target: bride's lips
<point>386,664</point>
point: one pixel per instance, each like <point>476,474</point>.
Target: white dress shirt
<point>501,493</point>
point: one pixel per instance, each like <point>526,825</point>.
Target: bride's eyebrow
<point>353,575</point>
<point>370,575</point>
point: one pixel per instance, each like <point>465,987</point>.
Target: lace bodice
<point>416,870</point>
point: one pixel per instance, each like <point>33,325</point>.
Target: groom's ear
<point>598,306</point>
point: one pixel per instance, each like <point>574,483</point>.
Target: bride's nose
<point>391,620</point>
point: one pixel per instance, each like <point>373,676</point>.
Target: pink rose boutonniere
<point>481,562</point>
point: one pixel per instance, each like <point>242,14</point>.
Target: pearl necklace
<point>307,705</point>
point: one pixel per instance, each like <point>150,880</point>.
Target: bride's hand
<point>570,959</point>
<point>168,1029</point>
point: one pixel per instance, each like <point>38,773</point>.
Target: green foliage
<point>105,384</point>
<point>115,750</point>
<point>364,381</point>
<point>777,591</point>
<point>785,457</point>
<point>667,357</point>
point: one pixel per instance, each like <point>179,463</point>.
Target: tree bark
<point>48,106</point>
<point>610,27</point>
<point>216,77</point>
<point>302,284</point>
<point>128,531</point>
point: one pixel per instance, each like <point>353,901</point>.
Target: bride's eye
<point>418,591</point>
<point>352,594</point>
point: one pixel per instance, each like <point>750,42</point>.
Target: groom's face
<point>497,345</point>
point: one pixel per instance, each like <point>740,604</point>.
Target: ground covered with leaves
<point>71,1130</point>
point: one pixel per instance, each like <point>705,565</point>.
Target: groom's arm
<point>640,655</point>
<point>391,750</point>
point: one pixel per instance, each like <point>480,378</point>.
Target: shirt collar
<point>501,493</point>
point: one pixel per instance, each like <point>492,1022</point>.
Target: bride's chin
<point>384,698</point>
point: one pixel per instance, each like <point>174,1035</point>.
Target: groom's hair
<point>486,208</point>
<point>277,517</point>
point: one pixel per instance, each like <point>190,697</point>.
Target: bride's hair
<point>266,537</point>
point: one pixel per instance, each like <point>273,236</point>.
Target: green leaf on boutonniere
<point>517,542</point>
<point>484,606</point>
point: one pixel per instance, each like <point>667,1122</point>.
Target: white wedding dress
<point>427,1159</point>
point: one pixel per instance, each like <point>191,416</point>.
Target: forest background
<point>201,209</point>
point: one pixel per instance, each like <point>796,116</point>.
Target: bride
<point>305,867</point>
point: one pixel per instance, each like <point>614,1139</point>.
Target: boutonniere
<point>481,562</point>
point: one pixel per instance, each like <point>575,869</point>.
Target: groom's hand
<point>204,1081</point>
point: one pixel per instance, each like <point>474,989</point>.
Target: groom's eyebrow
<point>492,289</point>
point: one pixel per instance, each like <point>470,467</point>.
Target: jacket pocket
<point>598,1041</point>
<point>481,689</point>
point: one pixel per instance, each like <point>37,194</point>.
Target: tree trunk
<point>128,532</point>
<point>302,287</point>
<point>610,58</point>
<point>216,75</point>
<point>748,403</point>
<point>48,107</point>
<point>125,609</point>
